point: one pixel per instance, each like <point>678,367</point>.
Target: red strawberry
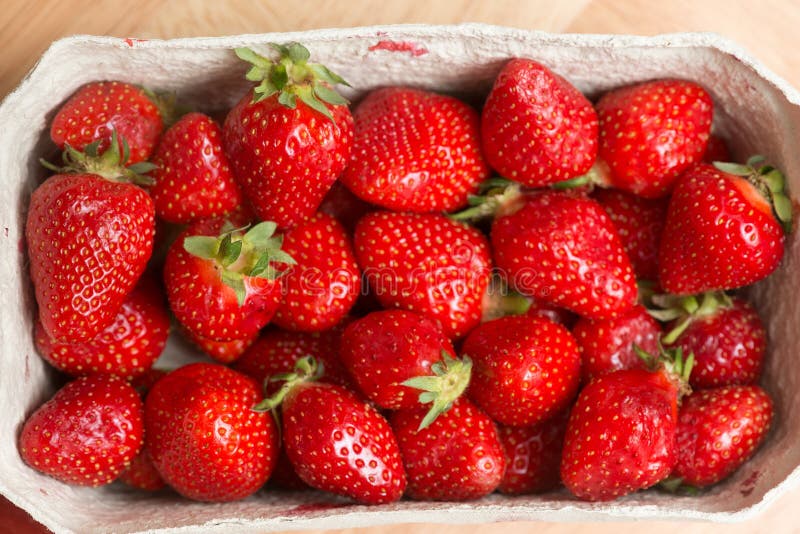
<point>724,333</point>
<point>721,231</point>
<point>276,352</point>
<point>607,345</point>
<point>221,351</point>
<point>290,137</point>
<point>89,238</point>
<point>525,369</point>
<point>204,437</point>
<point>87,433</point>
<point>142,474</point>
<point>99,108</point>
<point>716,150</point>
<point>193,179</point>
<point>651,132</point>
<point>621,434</point>
<point>639,222</point>
<point>718,431</point>
<point>457,458</point>
<point>222,282</point>
<point>341,204</point>
<point>127,347</point>
<point>284,475</point>
<point>536,127</point>
<point>385,349</point>
<point>337,442</point>
<point>564,250</point>
<point>533,454</point>
<point>426,263</point>
<point>325,283</point>
<point>415,150</point>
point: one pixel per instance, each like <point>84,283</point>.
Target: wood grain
<point>768,29</point>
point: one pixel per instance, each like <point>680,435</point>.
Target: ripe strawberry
<point>426,263</point>
<point>718,431</point>
<point>564,249</point>
<point>99,108</point>
<point>640,223</point>
<point>457,458</point>
<point>193,179</point>
<point>87,433</point>
<point>284,475</point>
<point>324,284</point>
<point>276,352</point>
<point>204,437</point>
<point>533,454</point>
<point>337,442</point>
<point>290,137</point>
<point>142,474</point>
<point>536,127</point>
<point>716,150</point>
<point>222,282</point>
<point>724,333</point>
<point>607,345</point>
<point>341,204</point>
<point>525,369</point>
<point>89,238</point>
<point>723,228</point>
<point>127,347</point>
<point>652,132</point>
<point>221,351</point>
<point>621,433</point>
<point>415,150</point>
<point>385,349</point>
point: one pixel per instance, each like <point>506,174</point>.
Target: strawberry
<point>324,284</point>
<point>276,352</point>
<point>87,433</point>
<point>621,432</point>
<point>718,431</point>
<point>640,223</point>
<point>536,127</point>
<point>716,150</point>
<point>341,204</point>
<point>457,458</point>
<point>89,238</point>
<point>221,281</point>
<point>290,137</point>
<point>127,347</point>
<point>426,263</point>
<point>204,438</point>
<point>221,351</point>
<point>724,333</point>
<point>284,475</point>
<point>652,132</point>
<point>607,345</point>
<point>335,441</point>
<point>142,474</point>
<point>724,228</point>
<point>415,150</point>
<point>525,369</point>
<point>386,349</point>
<point>533,454</point>
<point>564,249</point>
<point>193,179</point>
<point>98,109</point>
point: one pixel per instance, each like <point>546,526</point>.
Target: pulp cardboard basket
<point>758,111</point>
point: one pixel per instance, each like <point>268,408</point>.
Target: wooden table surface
<point>767,28</point>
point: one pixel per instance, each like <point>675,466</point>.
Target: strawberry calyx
<point>499,301</point>
<point>676,486</point>
<point>168,106</point>
<point>449,380</point>
<point>306,369</point>
<point>768,181</point>
<point>672,361</point>
<point>495,196</point>
<point>598,175</point>
<point>291,76</point>
<point>238,254</point>
<point>684,310</point>
<point>110,164</point>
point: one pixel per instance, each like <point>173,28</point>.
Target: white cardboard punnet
<point>754,108</point>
